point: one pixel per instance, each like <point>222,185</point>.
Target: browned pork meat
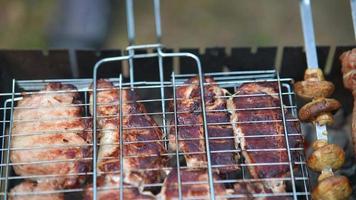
<point>28,190</point>
<point>190,126</point>
<point>194,185</point>
<point>108,189</point>
<point>49,137</point>
<point>254,191</point>
<point>257,123</point>
<point>143,153</point>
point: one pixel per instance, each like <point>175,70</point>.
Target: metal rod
<point>308,32</point>
<point>130,21</point>
<point>163,105</point>
<point>3,135</point>
<point>287,140</point>
<point>9,138</point>
<point>312,59</point>
<point>94,130</point>
<point>206,134</point>
<point>95,74</point>
<point>177,137</point>
<point>157,12</point>
<point>353,13</point>
<point>131,67</point>
<point>121,142</point>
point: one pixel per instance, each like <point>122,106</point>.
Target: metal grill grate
<point>157,102</point>
<point>161,100</point>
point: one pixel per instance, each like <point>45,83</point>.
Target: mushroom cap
<point>313,75</point>
<point>314,89</point>
<point>316,107</point>
<point>332,188</point>
<point>328,156</point>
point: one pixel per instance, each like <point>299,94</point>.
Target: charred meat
<point>258,127</point>
<point>190,129</point>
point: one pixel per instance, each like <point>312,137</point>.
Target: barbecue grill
<point>158,95</point>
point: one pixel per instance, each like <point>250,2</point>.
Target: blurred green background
<point>27,24</point>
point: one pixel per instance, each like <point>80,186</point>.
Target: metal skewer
<point>341,188</point>
<point>353,12</point>
<point>310,50</point>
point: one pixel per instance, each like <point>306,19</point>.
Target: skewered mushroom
<point>332,188</point>
<point>314,89</point>
<point>327,156</point>
<point>319,111</point>
<point>314,85</point>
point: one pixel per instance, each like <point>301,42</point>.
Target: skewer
<point>326,157</point>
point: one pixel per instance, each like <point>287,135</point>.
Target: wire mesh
<point>166,116</point>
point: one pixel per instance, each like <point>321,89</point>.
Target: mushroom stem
<point>326,173</point>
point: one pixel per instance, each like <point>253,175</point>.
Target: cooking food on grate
<point>333,187</point>
<point>314,85</point>
<point>257,122</point>
<point>29,190</point>
<point>194,185</point>
<point>190,126</point>
<point>319,110</point>
<point>108,189</point>
<point>143,153</point>
<point>253,191</point>
<point>317,89</point>
<point>326,156</point>
<point>348,62</point>
<point>50,139</point>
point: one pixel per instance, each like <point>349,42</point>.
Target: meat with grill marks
<point>194,185</point>
<point>108,189</point>
<point>254,191</point>
<point>50,139</point>
<point>190,126</point>
<point>143,152</point>
<point>257,122</point>
<point>29,190</point>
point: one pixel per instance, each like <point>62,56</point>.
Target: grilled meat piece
<point>255,109</point>
<point>255,191</point>
<point>190,126</point>
<point>28,190</point>
<point>49,137</point>
<point>348,69</point>
<point>108,189</point>
<point>194,185</point>
<point>143,152</point>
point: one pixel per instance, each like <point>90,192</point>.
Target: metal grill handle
<point>131,21</point>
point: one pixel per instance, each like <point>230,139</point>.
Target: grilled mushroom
<point>327,156</point>
<point>314,89</point>
<point>332,188</point>
<point>319,111</point>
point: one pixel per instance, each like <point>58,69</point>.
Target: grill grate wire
<point>224,80</point>
<point>161,93</point>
